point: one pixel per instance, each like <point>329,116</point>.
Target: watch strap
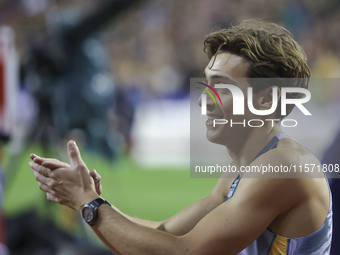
<point>98,202</point>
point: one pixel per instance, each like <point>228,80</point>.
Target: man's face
<point>227,69</point>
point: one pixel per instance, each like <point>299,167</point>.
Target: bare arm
<point>227,229</point>
<point>182,222</point>
<point>179,224</point>
<point>222,231</point>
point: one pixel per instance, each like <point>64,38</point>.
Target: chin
<point>215,137</point>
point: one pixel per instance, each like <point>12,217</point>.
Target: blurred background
<point>114,76</point>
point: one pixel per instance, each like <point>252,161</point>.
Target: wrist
<point>90,210</point>
<point>86,199</point>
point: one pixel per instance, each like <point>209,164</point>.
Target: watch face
<point>87,213</point>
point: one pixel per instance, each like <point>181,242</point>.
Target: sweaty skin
<point>290,207</point>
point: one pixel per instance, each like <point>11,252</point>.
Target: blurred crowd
<point>149,49</point>
<point>163,38</point>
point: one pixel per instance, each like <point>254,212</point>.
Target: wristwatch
<point>90,210</point>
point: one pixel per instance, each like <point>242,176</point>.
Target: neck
<point>245,150</point>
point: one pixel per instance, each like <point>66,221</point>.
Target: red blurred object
<point>8,81</point>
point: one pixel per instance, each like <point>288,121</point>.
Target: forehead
<point>227,64</point>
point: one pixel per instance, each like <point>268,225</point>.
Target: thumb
<point>74,153</point>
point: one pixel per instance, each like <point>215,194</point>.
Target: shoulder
<point>289,151</point>
<point>289,160</point>
<point>283,177</point>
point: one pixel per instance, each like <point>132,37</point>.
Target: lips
<point>211,118</point>
<point>214,116</point>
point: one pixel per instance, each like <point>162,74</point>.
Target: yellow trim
<point>279,246</point>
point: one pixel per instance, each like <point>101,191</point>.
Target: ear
<point>264,98</point>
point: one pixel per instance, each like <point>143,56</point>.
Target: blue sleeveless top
<point>316,243</point>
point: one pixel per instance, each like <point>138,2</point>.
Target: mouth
<point>214,116</point>
<point>211,117</point>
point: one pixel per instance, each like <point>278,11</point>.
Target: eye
<point>223,91</point>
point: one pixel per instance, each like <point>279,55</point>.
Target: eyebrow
<point>224,77</point>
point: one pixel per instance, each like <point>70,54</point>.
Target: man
<point>241,215</point>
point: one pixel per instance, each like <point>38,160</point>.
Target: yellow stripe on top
<point>279,246</point>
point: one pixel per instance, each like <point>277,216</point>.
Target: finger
<point>44,187</point>
<point>74,153</point>
<point>41,178</point>
<point>99,190</point>
<point>51,163</point>
<point>40,169</point>
<point>33,156</point>
<point>96,177</point>
<point>54,163</point>
<point>52,198</point>
<point>94,174</point>
<point>98,185</point>
<point>39,160</point>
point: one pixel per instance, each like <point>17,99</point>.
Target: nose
<point>200,100</point>
<point>207,98</point>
